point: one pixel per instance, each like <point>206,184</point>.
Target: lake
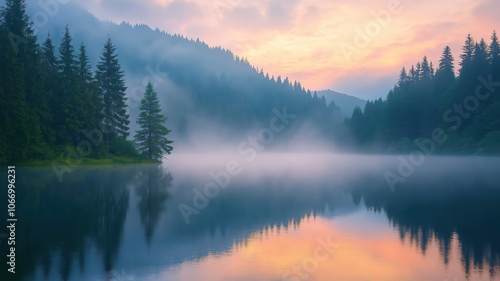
<point>300,216</point>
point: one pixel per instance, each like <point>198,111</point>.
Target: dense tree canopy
<point>422,102</point>
<point>52,96</point>
<point>48,101</point>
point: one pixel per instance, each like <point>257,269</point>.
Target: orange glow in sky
<point>322,43</point>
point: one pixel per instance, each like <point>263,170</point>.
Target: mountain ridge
<point>198,85</point>
<point>345,102</point>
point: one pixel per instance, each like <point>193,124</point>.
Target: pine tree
<point>480,60</point>
<point>69,105</point>
<point>112,87</point>
<point>403,77</point>
<point>418,71</point>
<point>67,62</point>
<point>15,19</point>
<point>445,74</point>
<point>426,74</point>
<point>413,74</point>
<point>467,53</point>
<point>24,99</point>
<point>49,57</point>
<point>15,137</point>
<point>50,80</point>
<point>446,62</point>
<point>494,55</point>
<point>89,91</point>
<point>152,137</point>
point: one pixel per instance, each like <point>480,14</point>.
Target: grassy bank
<point>86,161</point>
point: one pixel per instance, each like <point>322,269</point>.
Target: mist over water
<point>261,184</point>
<point>263,219</point>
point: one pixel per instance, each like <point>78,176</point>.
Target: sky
<point>351,46</point>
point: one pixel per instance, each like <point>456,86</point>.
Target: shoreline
<point>84,161</point>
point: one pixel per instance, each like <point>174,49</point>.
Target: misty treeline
<point>50,102</point>
<point>221,91</point>
<point>459,113</point>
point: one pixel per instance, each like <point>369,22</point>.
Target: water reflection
<point>123,222</point>
<point>151,184</point>
<point>445,209</point>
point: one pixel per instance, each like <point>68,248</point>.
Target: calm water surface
<point>280,217</point>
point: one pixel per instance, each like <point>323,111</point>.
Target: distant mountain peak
<point>345,102</point>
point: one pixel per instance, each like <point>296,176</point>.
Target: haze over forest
<point>253,150</point>
<point>210,94</point>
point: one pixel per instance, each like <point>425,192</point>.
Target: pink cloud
<point>301,38</point>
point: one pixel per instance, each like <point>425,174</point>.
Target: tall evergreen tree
<point>413,74</point>
<point>480,60</point>
<point>25,101</point>
<point>50,80</point>
<point>152,137</point>
<point>445,74</point>
<point>15,135</point>
<point>15,19</point>
<point>89,91</point>
<point>467,53</point>
<point>112,87</point>
<point>67,62</point>
<point>494,55</point>
<point>418,71</point>
<point>446,62</point>
<point>69,103</point>
<point>49,58</point>
<point>403,77</point>
<point>426,70</point>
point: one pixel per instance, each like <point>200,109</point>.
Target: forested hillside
<point>54,86</point>
<point>346,103</point>
<point>458,111</point>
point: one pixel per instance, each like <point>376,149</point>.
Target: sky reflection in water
<point>123,222</point>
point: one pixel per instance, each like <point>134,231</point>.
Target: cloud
<point>302,38</point>
<point>488,11</point>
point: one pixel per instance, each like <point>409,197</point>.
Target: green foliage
<point>69,106</point>
<point>112,87</point>
<point>467,54</point>
<point>22,97</point>
<point>48,101</point>
<point>152,139</point>
<point>494,55</point>
<point>89,91</point>
<point>421,102</point>
<point>122,147</point>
